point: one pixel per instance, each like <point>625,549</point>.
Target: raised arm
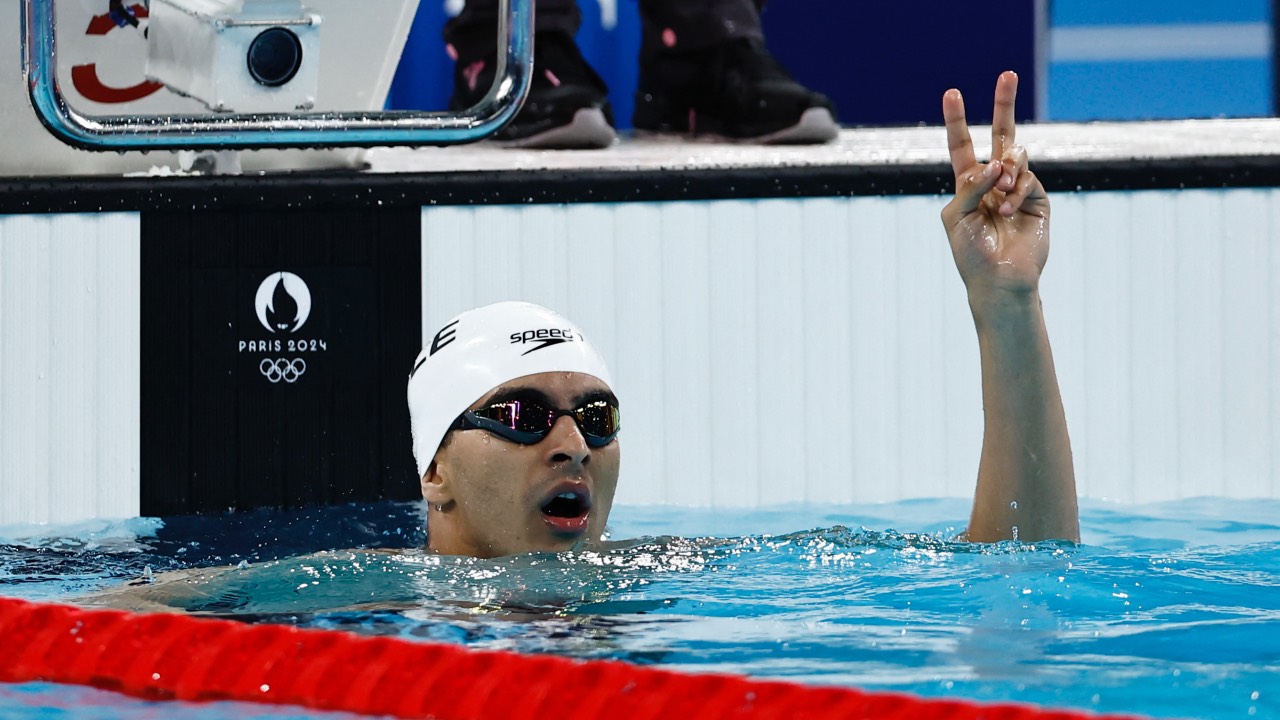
<point>998,225</point>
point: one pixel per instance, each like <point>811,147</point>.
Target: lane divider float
<point>183,657</point>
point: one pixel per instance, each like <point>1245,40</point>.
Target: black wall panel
<point>275,350</point>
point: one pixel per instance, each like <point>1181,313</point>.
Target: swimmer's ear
<point>435,486</point>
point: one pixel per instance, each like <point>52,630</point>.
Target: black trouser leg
<point>687,25</point>
<point>704,69</point>
<point>694,24</point>
<point>474,32</point>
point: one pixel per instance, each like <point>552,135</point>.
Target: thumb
<point>972,185</point>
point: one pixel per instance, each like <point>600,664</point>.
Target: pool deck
<point>903,147</point>
<point>1111,156</point>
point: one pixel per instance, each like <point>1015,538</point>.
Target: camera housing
<point>245,56</point>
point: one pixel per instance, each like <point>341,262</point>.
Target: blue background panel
<point>889,63</point>
<point>1157,12</point>
<point>424,78</point>
<point>1160,90</point>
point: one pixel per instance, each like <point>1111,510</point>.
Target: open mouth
<point>568,511</point>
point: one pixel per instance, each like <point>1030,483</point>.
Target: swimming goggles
<point>527,419</point>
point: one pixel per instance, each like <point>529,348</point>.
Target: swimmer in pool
<point>515,426</point>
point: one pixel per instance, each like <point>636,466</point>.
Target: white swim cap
<point>481,349</point>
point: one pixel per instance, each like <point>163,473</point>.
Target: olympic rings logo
<point>282,369</point>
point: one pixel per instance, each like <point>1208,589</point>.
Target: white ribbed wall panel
<point>822,350</point>
<point>69,359</point>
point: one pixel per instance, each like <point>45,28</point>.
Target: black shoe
<point>735,91</point>
<point>568,105</point>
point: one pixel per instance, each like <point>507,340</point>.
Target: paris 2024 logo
<point>282,305</point>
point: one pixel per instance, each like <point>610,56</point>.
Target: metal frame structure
<point>283,130</point>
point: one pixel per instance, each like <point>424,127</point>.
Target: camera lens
<point>275,57</point>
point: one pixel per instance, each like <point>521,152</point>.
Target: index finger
<point>1002,125</point>
<point>959,142</point>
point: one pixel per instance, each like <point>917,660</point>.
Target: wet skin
<point>487,496</point>
<point>998,226</point>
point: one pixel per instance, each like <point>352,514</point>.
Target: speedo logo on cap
<point>545,337</point>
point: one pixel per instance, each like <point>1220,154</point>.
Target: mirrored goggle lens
<point>528,421</point>
<point>599,420</point>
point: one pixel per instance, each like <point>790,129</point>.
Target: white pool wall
<point>821,350</point>
<point>69,359</point>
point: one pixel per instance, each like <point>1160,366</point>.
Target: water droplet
<point>1013,505</point>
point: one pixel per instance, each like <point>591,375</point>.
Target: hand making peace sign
<point>998,221</point>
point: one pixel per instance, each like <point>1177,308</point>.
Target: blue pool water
<point>1165,610</point>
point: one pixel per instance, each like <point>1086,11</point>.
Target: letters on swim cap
<point>481,349</point>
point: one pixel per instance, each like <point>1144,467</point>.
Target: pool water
<point>1167,610</point>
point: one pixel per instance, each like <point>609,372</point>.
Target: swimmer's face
<point>488,496</point>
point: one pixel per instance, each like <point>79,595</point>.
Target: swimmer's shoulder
<point>185,589</point>
<point>171,591</point>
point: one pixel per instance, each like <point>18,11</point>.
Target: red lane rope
<point>162,656</point>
